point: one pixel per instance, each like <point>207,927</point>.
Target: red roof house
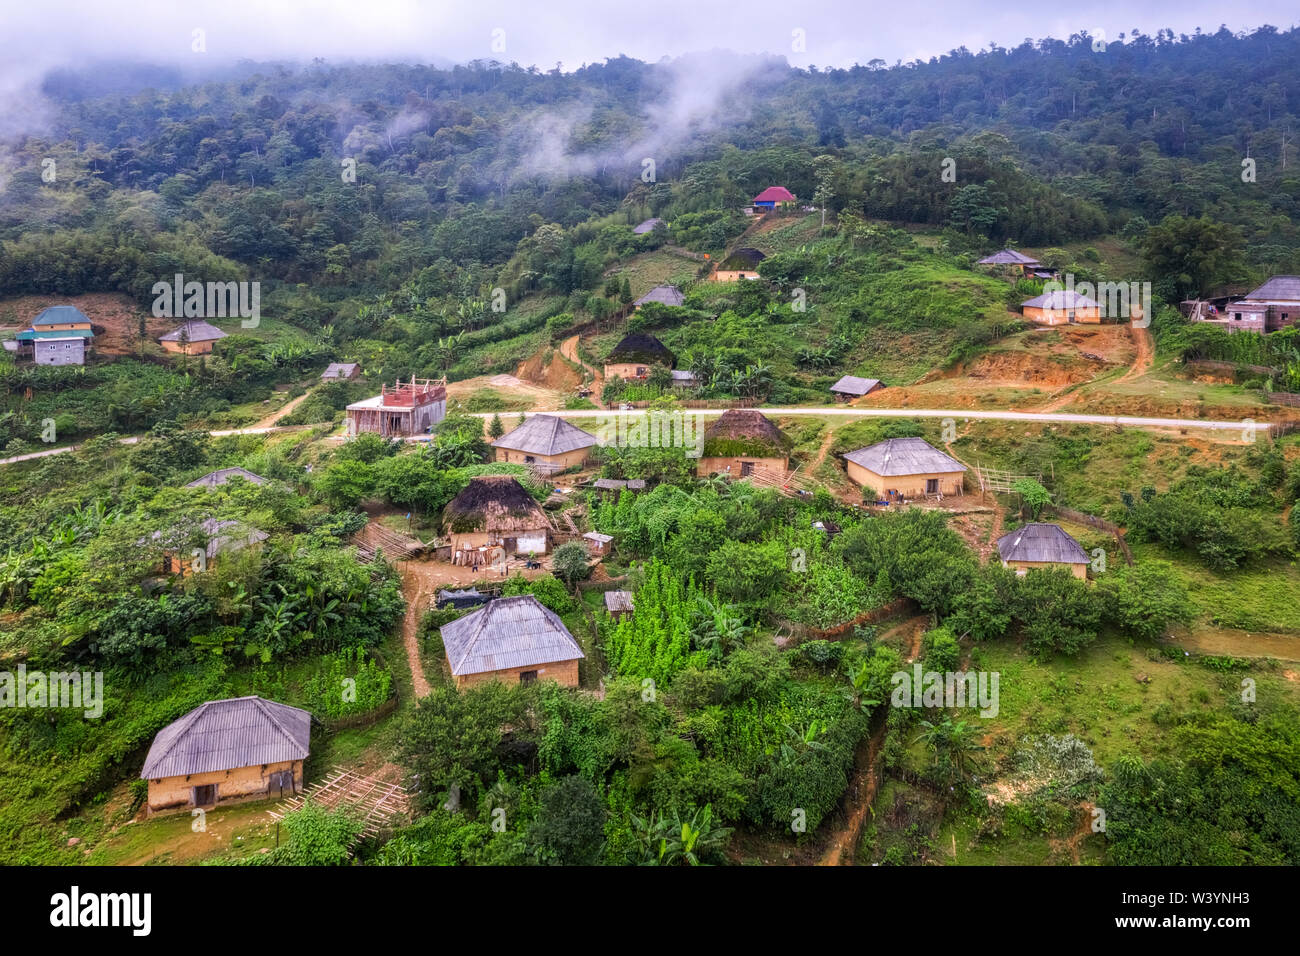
<point>773,196</point>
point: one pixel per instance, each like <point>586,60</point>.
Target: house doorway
<point>932,486</point>
<point>206,795</point>
<point>746,469</point>
<point>527,677</point>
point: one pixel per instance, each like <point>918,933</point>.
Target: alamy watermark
<point>1115,300</point>
<point>73,690</point>
<point>946,689</point>
<point>655,428</point>
<point>211,300</point>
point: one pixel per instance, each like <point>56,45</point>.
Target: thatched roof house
<point>225,749</point>
<point>633,357</point>
<point>515,639</point>
<point>1042,545</point>
<point>741,442</point>
<point>496,511</point>
<point>545,442</point>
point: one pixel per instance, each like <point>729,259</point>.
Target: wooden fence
<point>1281,398</point>
<point>806,632</point>
<point>1080,517</point>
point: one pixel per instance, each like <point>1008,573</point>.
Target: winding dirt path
<point>1145,357</point>
<point>862,794</point>
<point>413,589</point>
<point>569,349</point>
<point>285,409</point>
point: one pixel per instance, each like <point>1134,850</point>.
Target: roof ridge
<point>182,725</point>
<point>270,715</point>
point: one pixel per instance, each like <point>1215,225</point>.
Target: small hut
<point>598,544</point>
<point>1042,545</point>
<point>494,512</point>
<point>545,443</point>
<point>850,387</point>
<point>618,604</point>
<point>648,225</point>
<point>636,355</point>
<point>744,442</point>
<point>340,372</point>
<point>514,640</point>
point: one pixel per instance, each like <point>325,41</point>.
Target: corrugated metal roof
<point>1278,289</point>
<point>1041,542</point>
<point>904,456</point>
<point>598,537</point>
<point>852,385</point>
<point>196,330</point>
<point>223,475</point>
<point>1060,299</point>
<point>29,335</point>
<point>545,435</point>
<point>647,226</point>
<point>1008,257</point>
<point>664,294</point>
<point>509,632</point>
<point>339,370</point>
<point>59,315</point>
<point>227,735</point>
<point>618,601</point>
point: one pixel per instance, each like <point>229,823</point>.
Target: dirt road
<point>569,349</point>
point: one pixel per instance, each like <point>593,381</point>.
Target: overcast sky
<point>38,34</point>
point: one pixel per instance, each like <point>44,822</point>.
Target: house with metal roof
<point>512,639</point>
<point>219,537</point>
<point>545,443</point>
<point>663,294</point>
<point>242,748</point>
<point>222,475</point>
<point>618,604</point>
<point>905,468</point>
<point>850,387</point>
<point>1042,545</point>
<point>1274,305</point>
<point>772,197</point>
<point>340,372</point>
<point>1013,261</point>
<point>1061,306</point>
<point>648,226</point>
<point>59,335</point>
<point>193,337</point>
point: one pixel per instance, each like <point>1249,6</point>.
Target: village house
<point>618,604</point>
<point>546,444</point>
<point>663,294</point>
<point>225,750</point>
<point>905,468</point>
<point>405,408</point>
<point>59,335</point>
<point>340,372</point>
<point>741,264</point>
<point>215,478</point>
<point>685,380</point>
<point>194,337</point>
<point>1060,307</point>
<point>648,226</point>
<point>636,355</point>
<point>598,544</point>
<point>850,387</point>
<point>1010,260</point>
<point>1041,545</point>
<point>774,197</point>
<point>494,515</point>
<point>515,640</point>
<point>741,443</point>
<point>221,537</point>
<point>1274,305</point>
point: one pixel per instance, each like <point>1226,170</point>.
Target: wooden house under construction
<point>495,515</point>
<point>741,443</point>
<point>405,408</point>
